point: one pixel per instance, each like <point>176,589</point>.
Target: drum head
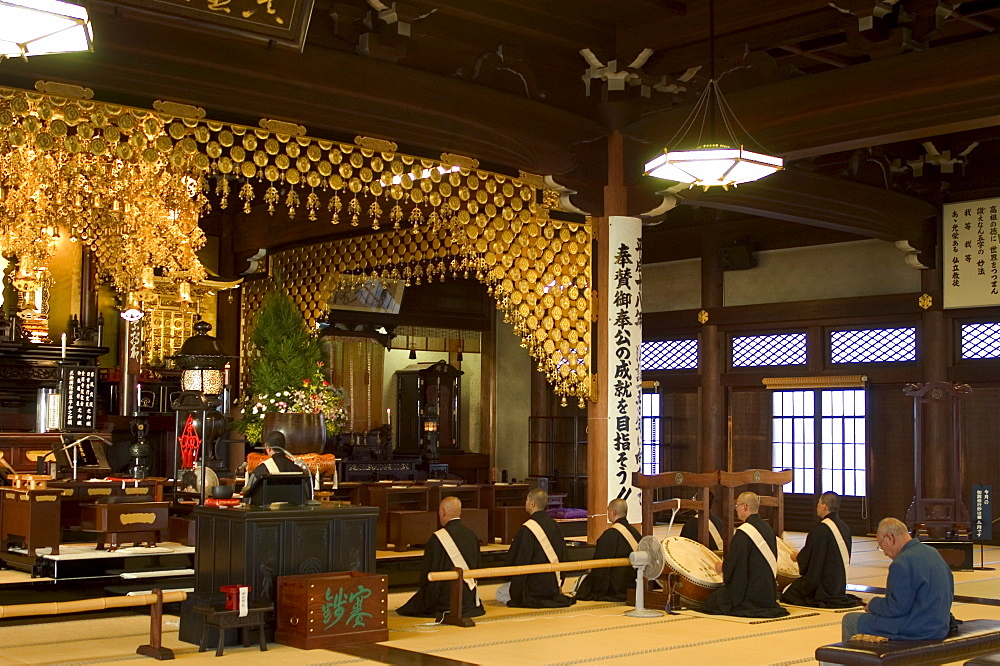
<point>787,567</point>
<point>692,560</point>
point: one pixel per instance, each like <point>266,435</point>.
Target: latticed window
<point>828,426</point>
<point>669,355</point>
<point>981,340</point>
<point>758,350</point>
<point>874,345</point>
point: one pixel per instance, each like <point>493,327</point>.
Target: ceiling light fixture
<point>41,27</point>
<point>712,163</point>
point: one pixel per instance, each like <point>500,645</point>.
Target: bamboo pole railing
<point>525,569</point>
<point>457,577</point>
<point>156,600</point>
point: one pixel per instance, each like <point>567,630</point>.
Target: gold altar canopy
<point>130,183</point>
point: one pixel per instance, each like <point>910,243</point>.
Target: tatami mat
<point>588,632</point>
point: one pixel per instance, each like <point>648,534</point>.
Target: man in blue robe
<point>918,593</point>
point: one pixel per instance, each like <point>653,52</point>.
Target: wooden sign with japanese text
<point>284,22</point>
<point>970,241</point>
<point>331,609</point>
<point>79,398</point>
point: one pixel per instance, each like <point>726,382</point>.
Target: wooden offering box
<point>331,610</point>
<point>124,522</point>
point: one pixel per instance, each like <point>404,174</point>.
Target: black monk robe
<point>541,590</point>
<point>690,530</point>
<point>610,584</point>
<point>748,588</point>
<point>824,580</point>
<point>434,599</point>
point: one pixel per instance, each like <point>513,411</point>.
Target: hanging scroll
<point>623,331</point>
<point>970,241</point>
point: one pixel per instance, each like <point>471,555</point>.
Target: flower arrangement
<point>286,370</point>
<point>315,396</point>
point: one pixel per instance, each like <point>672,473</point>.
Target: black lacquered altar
<point>256,545</point>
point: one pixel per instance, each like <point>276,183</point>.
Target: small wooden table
<point>222,619</point>
<point>117,523</point>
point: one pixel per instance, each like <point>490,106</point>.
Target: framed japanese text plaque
<point>79,398</point>
<point>284,22</point>
<point>969,239</point>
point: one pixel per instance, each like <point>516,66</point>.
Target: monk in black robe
<point>612,584</point>
<point>278,461</point>
<point>822,562</point>
<point>748,588</point>
<point>690,529</point>
<point>541,590</point>
<point>433,599</point>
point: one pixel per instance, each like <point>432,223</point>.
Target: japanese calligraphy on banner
<point>282,21</point>
<point>623,337</point>
<point>970,242</point>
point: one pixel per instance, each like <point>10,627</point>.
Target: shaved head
<point>831,501</point>
<point>619,506</point>
<point>451,507</point>
<point>539,498</point>
<point>752,500</point>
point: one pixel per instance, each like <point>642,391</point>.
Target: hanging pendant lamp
<point>712,162</point>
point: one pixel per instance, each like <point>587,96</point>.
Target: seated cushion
<point>974,638</point>
<point>566,513</point>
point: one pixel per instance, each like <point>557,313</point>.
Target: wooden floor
<point>589,632</point>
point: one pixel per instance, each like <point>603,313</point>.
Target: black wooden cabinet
<point>254,546</point>
<point>428,407</point>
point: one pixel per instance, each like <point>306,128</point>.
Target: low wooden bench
<point>974,638</point>
<point>409,528</point>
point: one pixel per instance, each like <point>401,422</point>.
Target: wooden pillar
<point>88,289</point>
<point>711,362</point>
<point>227,305</point>
<point>488,392</point>
<point>938,447</point>
<point>615,203</point>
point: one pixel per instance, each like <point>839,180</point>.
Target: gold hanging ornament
<point>271,197</point>
<point>312,205</point>
<point>291,201</point>
<point>335,206</point>
<point>131,183</point>
<point>354,209</point>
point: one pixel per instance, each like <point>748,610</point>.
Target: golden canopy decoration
<point>131,183</point>
<point>105,175</point>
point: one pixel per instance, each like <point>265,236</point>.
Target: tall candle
<point>64,345</point>
<point>388,417</point>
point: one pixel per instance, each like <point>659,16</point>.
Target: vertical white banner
<point>623,337</point>
<point>969,243</point>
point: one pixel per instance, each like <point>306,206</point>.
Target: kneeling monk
<point>824,561</point>
<point>539,541</point>
<point>749,568</point>
<point>455,545</point>
<point>619,540</point>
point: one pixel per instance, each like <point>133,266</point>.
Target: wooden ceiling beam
<point>672,58</point>
<point>821,201</point>
<point>758,25</point>
<point>818,56</point>
<point>526,20</point>
<point>330,92</point>
<point>900,98</point>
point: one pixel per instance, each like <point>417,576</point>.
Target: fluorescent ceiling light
<point>40,27</point>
